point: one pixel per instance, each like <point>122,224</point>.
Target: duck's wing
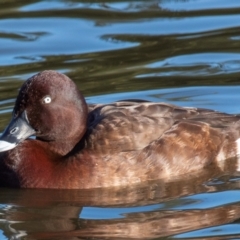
<point>132,125</point>
<point>214,118</point>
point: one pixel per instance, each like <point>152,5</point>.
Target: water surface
<point>182,52</point>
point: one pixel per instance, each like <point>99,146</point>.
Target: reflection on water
<point>149,210</point>
<point>184,52</point>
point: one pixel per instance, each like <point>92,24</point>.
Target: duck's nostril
<point>14,130</point>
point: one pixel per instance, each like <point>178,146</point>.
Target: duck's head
<point>50,106</point>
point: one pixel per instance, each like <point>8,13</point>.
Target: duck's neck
<point>62,148</point>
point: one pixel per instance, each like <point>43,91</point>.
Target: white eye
<point>47,99</point>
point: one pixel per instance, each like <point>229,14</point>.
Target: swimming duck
<point>81,146</point>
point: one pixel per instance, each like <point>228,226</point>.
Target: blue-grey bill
<point>17,131</point>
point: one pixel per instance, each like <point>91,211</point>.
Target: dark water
<point>186,52</point>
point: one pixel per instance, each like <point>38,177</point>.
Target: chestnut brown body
<point>88,146</point>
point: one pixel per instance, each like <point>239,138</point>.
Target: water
<point>182,52</point>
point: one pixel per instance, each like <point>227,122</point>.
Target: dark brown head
<point>50,106</point>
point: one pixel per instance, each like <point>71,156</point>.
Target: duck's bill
<point>18,130</point>
<point>5,146</point>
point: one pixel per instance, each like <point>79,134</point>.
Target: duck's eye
<point>47,99</point>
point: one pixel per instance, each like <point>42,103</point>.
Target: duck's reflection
<point>57,214</point>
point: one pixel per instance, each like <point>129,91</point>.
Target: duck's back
<point>133,125</point>
<point>131,141</point>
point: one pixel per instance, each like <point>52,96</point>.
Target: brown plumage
<point>103,145</point>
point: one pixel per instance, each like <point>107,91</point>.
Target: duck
<point>56,140</point>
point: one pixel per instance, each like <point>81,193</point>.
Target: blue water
<point>182,52</point>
